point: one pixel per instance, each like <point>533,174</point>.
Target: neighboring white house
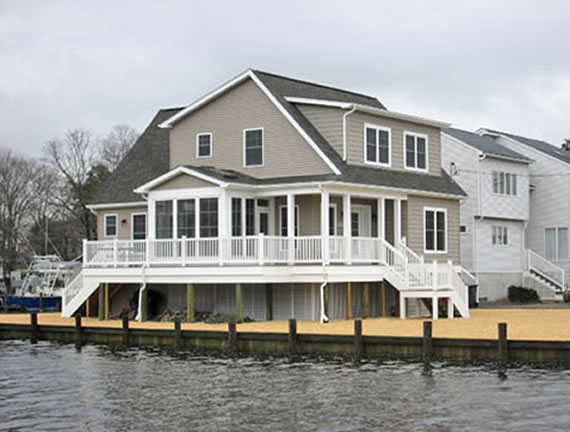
<point>493,218</point>
<point>549,221</point>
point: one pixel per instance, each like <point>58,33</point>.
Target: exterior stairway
<point>545,277</point>
<point>76,293</point>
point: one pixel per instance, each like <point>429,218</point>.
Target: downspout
<point>138,317</point>
<point>481,157</point>
<point>344,139</point>
<point>323,316</point>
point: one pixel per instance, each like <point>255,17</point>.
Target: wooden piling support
<point>106,301</point>
<point>88,307</point>
<point>382,299</point>
<point>190,311</point>
<point>125,334</point>
<point>503,344</point>
<point>41,302</point>
<point>269,302</point>
<point>349,300</point>
<point>177,334</point>
<point>232,335</point>
<point>239,302</point>
<point>78,341</point>
<point>101,305</point>
<point>427,352</point>
<point>365,301</point>
<point>358,345</point>
<point>34,327</point>
<point>292,339</point>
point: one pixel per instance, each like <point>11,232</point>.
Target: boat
<point>43,284</point>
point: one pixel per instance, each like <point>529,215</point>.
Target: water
<point>54,387</point>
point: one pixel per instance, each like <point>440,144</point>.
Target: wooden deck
<point>523,324</point>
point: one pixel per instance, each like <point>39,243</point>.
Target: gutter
<point>344,138</point>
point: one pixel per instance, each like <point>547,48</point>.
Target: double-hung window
<point>208,217</point>
<point>253,147</point>
<point>164,222</point>
<point>377,142</point>
<point>500,236</point>
<point>186,218</point>
<point>111,225</point>
<point>139,226</point>
<point>415,149</point>
<point>504,183</point>
<point>556,244</point>
<point>435,226</point>
<point>204,145</point>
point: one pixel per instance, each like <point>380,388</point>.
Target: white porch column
<point>174,218</point>
<point>151,224</point>
<point>449,307</point>
<point>402,306</point>
<point>380,211</point>
<point>325,222</point>
<point>291,227</point>
<point>197,219</point>
<point>223,222</point>
<point>347,226</point>
<point>434,308</point>
<point>397,221</point>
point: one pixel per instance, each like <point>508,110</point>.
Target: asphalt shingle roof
<point>542,146</point>
<point>148,159</point>
<point>486,145</point>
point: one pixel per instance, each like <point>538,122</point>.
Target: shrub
<point>519,294</point>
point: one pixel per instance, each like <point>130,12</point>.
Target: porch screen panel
<point>186,218</point>
<point>225,299</point>
<point>208,217</point>
<point>303,301</point>
<point>163,210</point>
<point>337,301</point>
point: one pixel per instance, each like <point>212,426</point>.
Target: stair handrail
<point>416,269</point>
<point>546,269</point>
<point>73,288</point>
<point>468,277</point>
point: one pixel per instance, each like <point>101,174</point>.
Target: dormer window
<point>415,151</point>
<point>253,147</point>
<point>204,145</point>
<point>377,143</point>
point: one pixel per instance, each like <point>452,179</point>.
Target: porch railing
<point>548,270</point>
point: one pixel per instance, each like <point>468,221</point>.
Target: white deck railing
<point>546,269</point>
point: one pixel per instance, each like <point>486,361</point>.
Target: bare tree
<point>74,158</point>
<point>566,144</point>
<point>116,144</point>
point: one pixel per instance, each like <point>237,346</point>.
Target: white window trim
<point>505,229</point>
<point>556,258</point>
<point>416,135</point>
<point>262,148</point>
<point>116,216</point>
<point>133,224</point>
<point>435,251</point>
<point>298,215</point>
<point>377,128</point>
<point>198,135</point>
<point>335,227</point>
<point>511,175</point>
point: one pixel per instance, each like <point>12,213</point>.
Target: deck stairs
<point>545,277</point>
<point>76,293</point>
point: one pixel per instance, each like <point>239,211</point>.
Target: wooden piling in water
<point>106,301</point>
<point>78,341</point>
<point>292,339</point>
<point>125,332</point>
<point>232,335</point>
<point>365,301</point>
<point>190,302</point>
<point>358,345</point>
<point>41,302</point>
<point>427,349</point>
<point>348,300</point>
<point>34,327</point>
<point>177,334</point>
<point>101,304</point>
<point>503,344</point>
<point>239,302</point>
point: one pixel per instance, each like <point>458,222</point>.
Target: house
<point>494,217</point>
<point>548,259</point>
<point>275,198</point>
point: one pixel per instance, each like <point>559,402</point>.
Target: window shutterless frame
<point>415,135</point>
<point>106,226</point>
<point>133,224</point>
<point>377,128</point>
<point>245,165</point>
<point>435,210</point>
<point>208,134</point>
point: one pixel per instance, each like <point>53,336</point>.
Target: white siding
<point>502,205</point>
<point>550,199</point>
<point>495,258</point>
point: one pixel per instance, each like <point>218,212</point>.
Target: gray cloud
<point>95,64</point>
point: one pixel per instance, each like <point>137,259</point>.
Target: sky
<point>95,64</point>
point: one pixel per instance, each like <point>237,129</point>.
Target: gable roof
<point>541,146</point>
<point>485,145</point>
<point>146,160</point>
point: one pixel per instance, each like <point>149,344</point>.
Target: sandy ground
<point>523,324</point>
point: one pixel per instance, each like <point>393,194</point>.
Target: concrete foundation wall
<point>494,286</point>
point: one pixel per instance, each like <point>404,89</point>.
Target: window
<point>332,220</point>
<point>111,225</point>
<point>556,244</point>
<point>504,183</point>
<point>283,220</point>
<point>236,217</point>
<point>415,149</point>
<point>377,145</point>
<point>463,229</point>
<point>249,217</point>
<point>163,211</point>
<point>500,236</point>
<point>208,217</point>
<point>186,218</point>
<point>253,147</point>
<point>435,223</point>
<point>204,145</point>
<point>139,226</point>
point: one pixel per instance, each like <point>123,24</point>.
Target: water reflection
<point>54,387</point>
